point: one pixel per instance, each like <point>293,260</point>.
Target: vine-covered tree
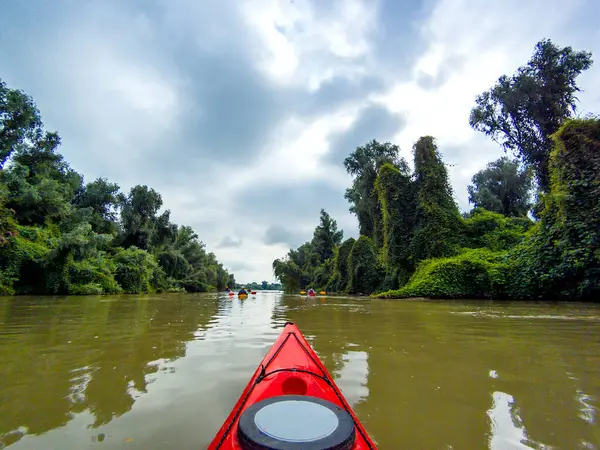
<point>397,197</point>
<point>503,187</point>
<point>522,111</point>
<point>563,258</point>
<point>363,164</point>
<point>338,281</point>
<point>364,272</point>
<point>437,220</point>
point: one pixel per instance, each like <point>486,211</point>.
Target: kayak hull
<point>290,368</point>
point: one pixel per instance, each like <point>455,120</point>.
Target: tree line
<point>255,286</point>
<point>415,242</point>
<point>59,235</point>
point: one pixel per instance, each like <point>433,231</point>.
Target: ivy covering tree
<point>413,240</point>
<point>363,164</point>
<point>59,235</point>
<point>437,220</point>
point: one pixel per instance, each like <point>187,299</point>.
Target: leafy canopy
<point>522,111</point>
<point>502,187</point>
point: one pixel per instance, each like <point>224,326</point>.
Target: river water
<point>157,372</point>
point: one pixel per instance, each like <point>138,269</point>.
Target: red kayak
<point>291,402</point>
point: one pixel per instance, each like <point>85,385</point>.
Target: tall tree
<point>521,112</point>
<point>363,164</point>
<point>364,273</point>
<point>397,197</point>
<point>102,197</point>
<point>502,187</point>
<point>19,120</point>
<point>339,279</point>
<point>437,220</point>
<point>326,237</point>
<point>40,182</point>
<point>138,214</point>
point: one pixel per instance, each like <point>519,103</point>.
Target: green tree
<point>397,197</point>
<point>19,120</point>
<point>287,271</point>
<point>363,164</point>
<point>137,271</point>
<point>41,185</point>
<point>138,214</point>
<point>60,236</point>
<point>326,237</point>
<point>364,273</point>
<point>521,112</point>
<point>339,278</point>
<point>231,281</point>
<point>103,198</point>
<point>562,260</point>
<point>438,224</point>
<point>502,187</point>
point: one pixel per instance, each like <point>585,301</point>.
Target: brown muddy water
<point>156,372</point>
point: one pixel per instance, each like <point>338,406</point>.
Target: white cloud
<point>484,40</point>
<point>126,97</point>
<point>302,43</point>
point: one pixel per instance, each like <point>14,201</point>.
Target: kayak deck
<point>290,368</point>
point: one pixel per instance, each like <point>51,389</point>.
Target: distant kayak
<point>291,402</point>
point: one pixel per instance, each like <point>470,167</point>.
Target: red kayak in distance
<point>291,403</point>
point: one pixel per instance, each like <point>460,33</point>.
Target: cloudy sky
<point>240,112</point>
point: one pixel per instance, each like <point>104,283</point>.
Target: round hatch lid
<point>288,422</point>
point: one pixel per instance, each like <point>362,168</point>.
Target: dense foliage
<point>59,235</point>
<point>413,240</point>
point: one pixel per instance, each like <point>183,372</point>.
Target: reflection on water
<point>154,372</point>
<point>507,430</point>
<point>353,377</point>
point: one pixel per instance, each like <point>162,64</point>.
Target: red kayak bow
<point>291,402</point>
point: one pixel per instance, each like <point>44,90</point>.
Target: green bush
<point>99,271</point>
<point>135,270</point>
<point>86,289</point>
<point>494,231</point>
<point>478,273</point>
